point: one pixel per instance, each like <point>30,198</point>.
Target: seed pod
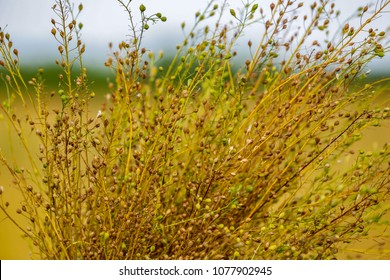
<point>346,28</point>
<point>254,8</point>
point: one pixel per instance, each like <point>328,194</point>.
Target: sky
<point>104,21</point>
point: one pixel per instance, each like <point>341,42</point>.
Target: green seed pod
<point>105,235</point>
<point>142,8</point>
<point>254,8</point>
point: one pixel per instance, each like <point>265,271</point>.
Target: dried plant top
<point>200,158</point>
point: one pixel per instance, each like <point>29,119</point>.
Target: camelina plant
<point>202,158</point>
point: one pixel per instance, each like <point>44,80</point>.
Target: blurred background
<point>104,21</point>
